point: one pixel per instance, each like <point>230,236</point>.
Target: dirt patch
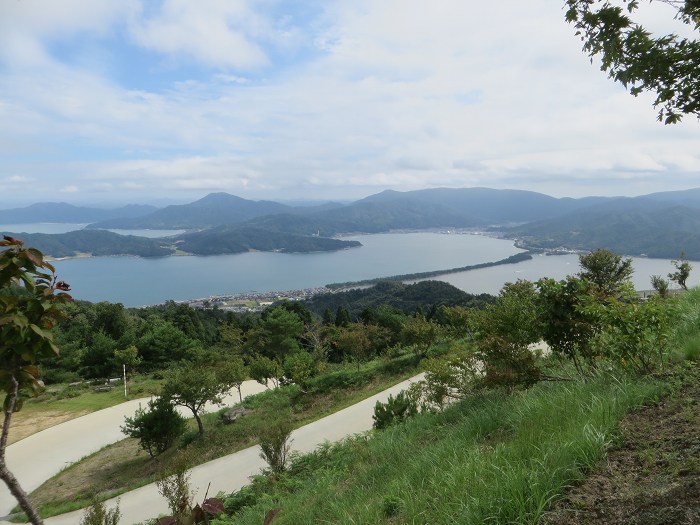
<point>24,424</point>
<point>652,477</point>
<point>80,480</point>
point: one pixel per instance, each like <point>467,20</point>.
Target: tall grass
<point>685,341</point>
<point>495,459</point>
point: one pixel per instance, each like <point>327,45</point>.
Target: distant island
<point>656,225</point>
<point>85,243</point>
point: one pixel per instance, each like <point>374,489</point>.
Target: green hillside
<point>94,242</point>
<point>662,232</point>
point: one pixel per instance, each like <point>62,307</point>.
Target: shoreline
<point>513,259</point>
<point>307,293</point>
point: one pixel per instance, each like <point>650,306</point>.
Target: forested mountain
<point>215,241</point>
<point>689,198</point>
<point>238,239</point>
<point>213,210</point>
<point>637,227</point>
<point>367,217</point>
<point>94,242</point>
<point>488,206</point>
<point>404,297</point>
<point>67,213</point>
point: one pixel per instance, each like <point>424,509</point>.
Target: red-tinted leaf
<point>32,371</point>
<point>62,285</point>
<point>213,506</point>
<point>35,256</point>
<point>12,240</point>
<point>167,520</point>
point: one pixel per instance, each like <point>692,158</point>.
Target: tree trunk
<point>7,476</point>
<point>200,426</point>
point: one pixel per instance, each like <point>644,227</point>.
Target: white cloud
<point>217,33</point>
<point>397,94</point>
<point>26,26</point>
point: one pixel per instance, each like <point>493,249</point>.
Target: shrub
<point>156,428</point>
<point>174,486</point>
<point>97,514</point>
<point>275,444</point>
<point>395,410</point>
<point>245,497</point>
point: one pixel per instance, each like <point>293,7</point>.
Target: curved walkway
<point>230,473</point>
<point>40,456</point>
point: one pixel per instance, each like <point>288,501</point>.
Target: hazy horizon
<point>290,202</point>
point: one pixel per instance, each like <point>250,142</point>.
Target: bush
<point>395,410</point>
<point>245,497</point>
<point>275,444</point>
<point>174,485</point>
<point>156,428</point>
<point>97,514</point>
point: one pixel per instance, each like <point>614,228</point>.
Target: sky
<point>118,101</point>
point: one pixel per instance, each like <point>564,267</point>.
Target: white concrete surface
<point>36,458</point>
<point>231,472</point>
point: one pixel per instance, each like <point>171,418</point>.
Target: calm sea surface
<point>135,281</point>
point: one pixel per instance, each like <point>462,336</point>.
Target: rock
<point>232,414</point>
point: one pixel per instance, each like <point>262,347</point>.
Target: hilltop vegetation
<point>426,296</point>
<point>96,242</point>
<point>214,241</point>
<point>238,239</point>
<point>657,231</point>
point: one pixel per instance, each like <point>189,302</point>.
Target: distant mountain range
<point>67,213</point>
<point>215,209</point>
<point>658,225</point>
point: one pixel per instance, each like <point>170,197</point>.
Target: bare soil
<point>652,476</point>
<point>26,423</point>
<point>105,465</point>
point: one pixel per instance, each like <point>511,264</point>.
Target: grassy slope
<point>495,459</point>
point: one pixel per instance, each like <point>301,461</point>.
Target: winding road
<point>38,457</point>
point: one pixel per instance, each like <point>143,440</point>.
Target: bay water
<point>135,281</point>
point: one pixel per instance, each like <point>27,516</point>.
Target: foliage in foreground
<point>30,295</point>
<point>666,65</point>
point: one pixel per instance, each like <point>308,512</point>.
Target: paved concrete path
<point>36,458</point>
<point>231,472</point>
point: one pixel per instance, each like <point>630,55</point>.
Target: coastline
<point>513,259</point>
